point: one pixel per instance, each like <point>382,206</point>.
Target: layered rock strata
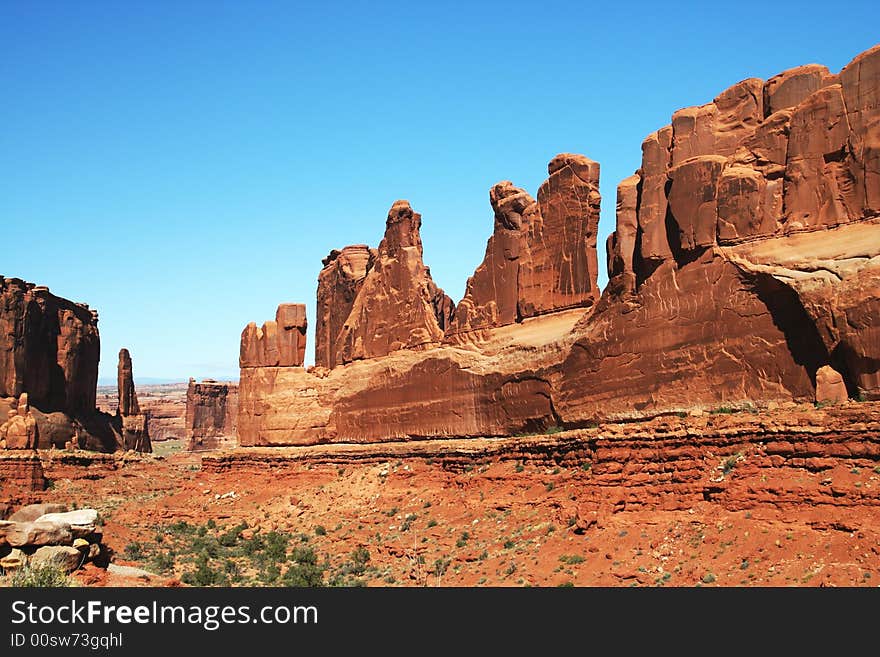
<point>541,257</point>
<point>398,305</point>
<point>278,343</point>
<point>339,283</point>
<point>49,348</point>
<point>211,415</point>
<point>745,267</point>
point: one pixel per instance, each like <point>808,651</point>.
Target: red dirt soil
<point>538,511</point>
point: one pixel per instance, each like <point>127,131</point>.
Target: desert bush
<point>44,575</point>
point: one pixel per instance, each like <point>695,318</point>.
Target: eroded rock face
<point>493,292</point>
<point>338,285</point>
<point>559,265</point>
<point>761,162</point>
<point>21,473</point>
<point>131,424</point>
<point>745,268</point>
<point>541,257</point>
<point>398,306</point>
<point>211,414</point>
<point>20,429</point>
<point>49,348</point>
<point>128,402</point>
<point>278,343</point>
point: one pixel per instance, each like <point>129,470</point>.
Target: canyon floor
<point>527,511</point>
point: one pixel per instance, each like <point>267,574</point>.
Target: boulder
<point>61,556</point>
<point>31,512</point>
<point>21,534</point>
<point>14,560</point>
<point>82,522</point>
<point>830,387</point>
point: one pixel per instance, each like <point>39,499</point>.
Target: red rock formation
<point>132,425</point>
<point>748,166</point>
<point>211,415</point>
<point>830,386</point>
<point>20,473</point>
<point>559,265</point>
<point>745,266</point>
<point>398,306</point>
<point>49,348</point>
<point>338,285</point>
<point>493,292</point>
<point>279,343</point>
<point>128,401</point>
<point>541,257</point>
<point>20,429</point>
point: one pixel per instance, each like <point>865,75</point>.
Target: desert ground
<point>426,514</point>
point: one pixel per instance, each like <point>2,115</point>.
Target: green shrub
<point>204,574</point>
<point>724,410</point>
<point>303,569</point>
<point>162,562</point>
<point>441,566</point>
<point>44,575</point>
<point>320,530</point>
<point>572,559</point>
<point>360,557</point>
<point>134,551</point>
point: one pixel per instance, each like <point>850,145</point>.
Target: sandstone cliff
<point>49,348</point>
<point>280,343</point>
<point>49,352</point>
<point>211,415</point>
<point>398,305</point>
<point>541,257</point>
<point>745,258</point>
<point>744,269</point>
<point>338,285</point>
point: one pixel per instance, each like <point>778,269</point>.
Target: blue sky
<point>184,166</point>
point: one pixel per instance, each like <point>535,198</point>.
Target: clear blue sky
<point>184,166</point>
